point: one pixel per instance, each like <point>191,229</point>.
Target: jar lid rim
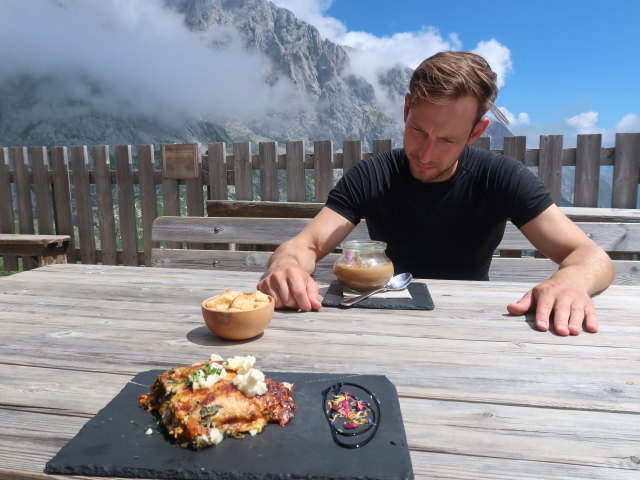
<point>363,245</point>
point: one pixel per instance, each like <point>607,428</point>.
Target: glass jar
<point>363,266</point>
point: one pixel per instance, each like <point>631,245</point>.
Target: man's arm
<point>583,270</point>
<point>291,265</point>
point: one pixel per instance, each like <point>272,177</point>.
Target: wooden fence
<point>108,207</point>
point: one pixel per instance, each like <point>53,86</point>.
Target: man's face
<point>434,136</point>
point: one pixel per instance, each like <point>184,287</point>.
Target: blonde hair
<point>449,75</point>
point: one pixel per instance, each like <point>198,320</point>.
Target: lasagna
<point>203,403</point>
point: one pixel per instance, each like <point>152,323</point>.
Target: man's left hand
<point>570,307</point>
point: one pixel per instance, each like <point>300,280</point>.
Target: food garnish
<point>349,416</point>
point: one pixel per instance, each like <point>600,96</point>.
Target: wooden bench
<point>40,249</point>
<point>275,222</point>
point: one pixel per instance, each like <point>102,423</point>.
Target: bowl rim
<point>271,302</point>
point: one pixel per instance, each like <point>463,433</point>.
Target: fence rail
<point>107,207</point>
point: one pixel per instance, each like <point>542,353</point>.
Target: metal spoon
<point>397,283</point>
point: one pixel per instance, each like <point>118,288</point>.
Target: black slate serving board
<point>115,443</point>
<point>420,299</point>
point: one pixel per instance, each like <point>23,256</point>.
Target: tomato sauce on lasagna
<point>203,403</point>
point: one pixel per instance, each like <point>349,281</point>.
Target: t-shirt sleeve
<point>342,198</point>
<point>525,196</point>
<point>357,190</point>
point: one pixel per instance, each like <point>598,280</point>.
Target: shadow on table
<point>203,336</point>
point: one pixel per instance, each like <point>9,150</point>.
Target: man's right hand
<point>292,287</point>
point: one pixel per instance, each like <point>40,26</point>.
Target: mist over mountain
<point>186,71</point>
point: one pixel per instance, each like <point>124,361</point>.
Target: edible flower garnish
<point>348,416</point>
<point>350,408</point>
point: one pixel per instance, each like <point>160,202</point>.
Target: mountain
<point>318,95</point>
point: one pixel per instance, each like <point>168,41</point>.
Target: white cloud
<point>498,56</point>
<point>585,122</point>
<point>630,123</point>
<point>313,12</point>
<point>521,119</point>
<point>370,55</point>
<point>132,56</point>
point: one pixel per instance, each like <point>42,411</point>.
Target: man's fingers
<point>544,307</point>
<point>561,314</point>
<point>300,297</point>
<point>522,306</point>
<point>590,319</point>
<point>314,296</point>
<point>291,290</point>
<point>576,319</point>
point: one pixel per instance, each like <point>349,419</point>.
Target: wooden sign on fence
<point>180,161</point>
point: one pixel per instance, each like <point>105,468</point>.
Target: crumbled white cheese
<point>287,385</point>
<point>149,431</point>
<point>251,383</point>
<point>214,438</point>
<point>240,364</point>
<point>216,358</point>
<point>207,376</point>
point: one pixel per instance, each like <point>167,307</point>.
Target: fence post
<point>268,155</point>
<point>106,217</point>
<point>587,180</point>
<point>84,209</point>
<point>242,171</point>
<point>42,188</point>
<point>351,154</point>
<point>550,166</point>
<point>23,193</point>
<point>126,205</point>
<point>515,147</point>
<point>625,170</point>
<point>6,206</point>
<point>62,198</point>
<point>296,180</point>
<point>217,171</point>
<point>148,197</point>
<point>380,146</point>
<point>484,143</point>
<point>323,168</point>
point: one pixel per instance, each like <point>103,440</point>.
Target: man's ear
<point>478,130</point>
<point>407,105</point>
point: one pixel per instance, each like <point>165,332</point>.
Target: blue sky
<point>566,66</point>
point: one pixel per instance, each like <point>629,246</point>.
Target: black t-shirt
<point>445,230</point>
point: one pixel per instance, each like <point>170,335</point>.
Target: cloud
<point>498,56</point>
<point>132,56</point>
<point>630,123</point>
<point>521,119</point>
<point>313,12</point>
<point>585,122</point>
<point>371,55</point>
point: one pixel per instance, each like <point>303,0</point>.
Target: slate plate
<point>114,442</point>
<point>420,299</point>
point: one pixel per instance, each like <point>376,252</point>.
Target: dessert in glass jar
<point>363,265</point>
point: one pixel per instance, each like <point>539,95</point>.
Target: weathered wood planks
<point>483,395</point>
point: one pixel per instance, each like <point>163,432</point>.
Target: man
<point>442,206</point>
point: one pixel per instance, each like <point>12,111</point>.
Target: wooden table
<point>483,395</point>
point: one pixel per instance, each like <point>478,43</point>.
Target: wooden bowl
<point>238,325</point>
